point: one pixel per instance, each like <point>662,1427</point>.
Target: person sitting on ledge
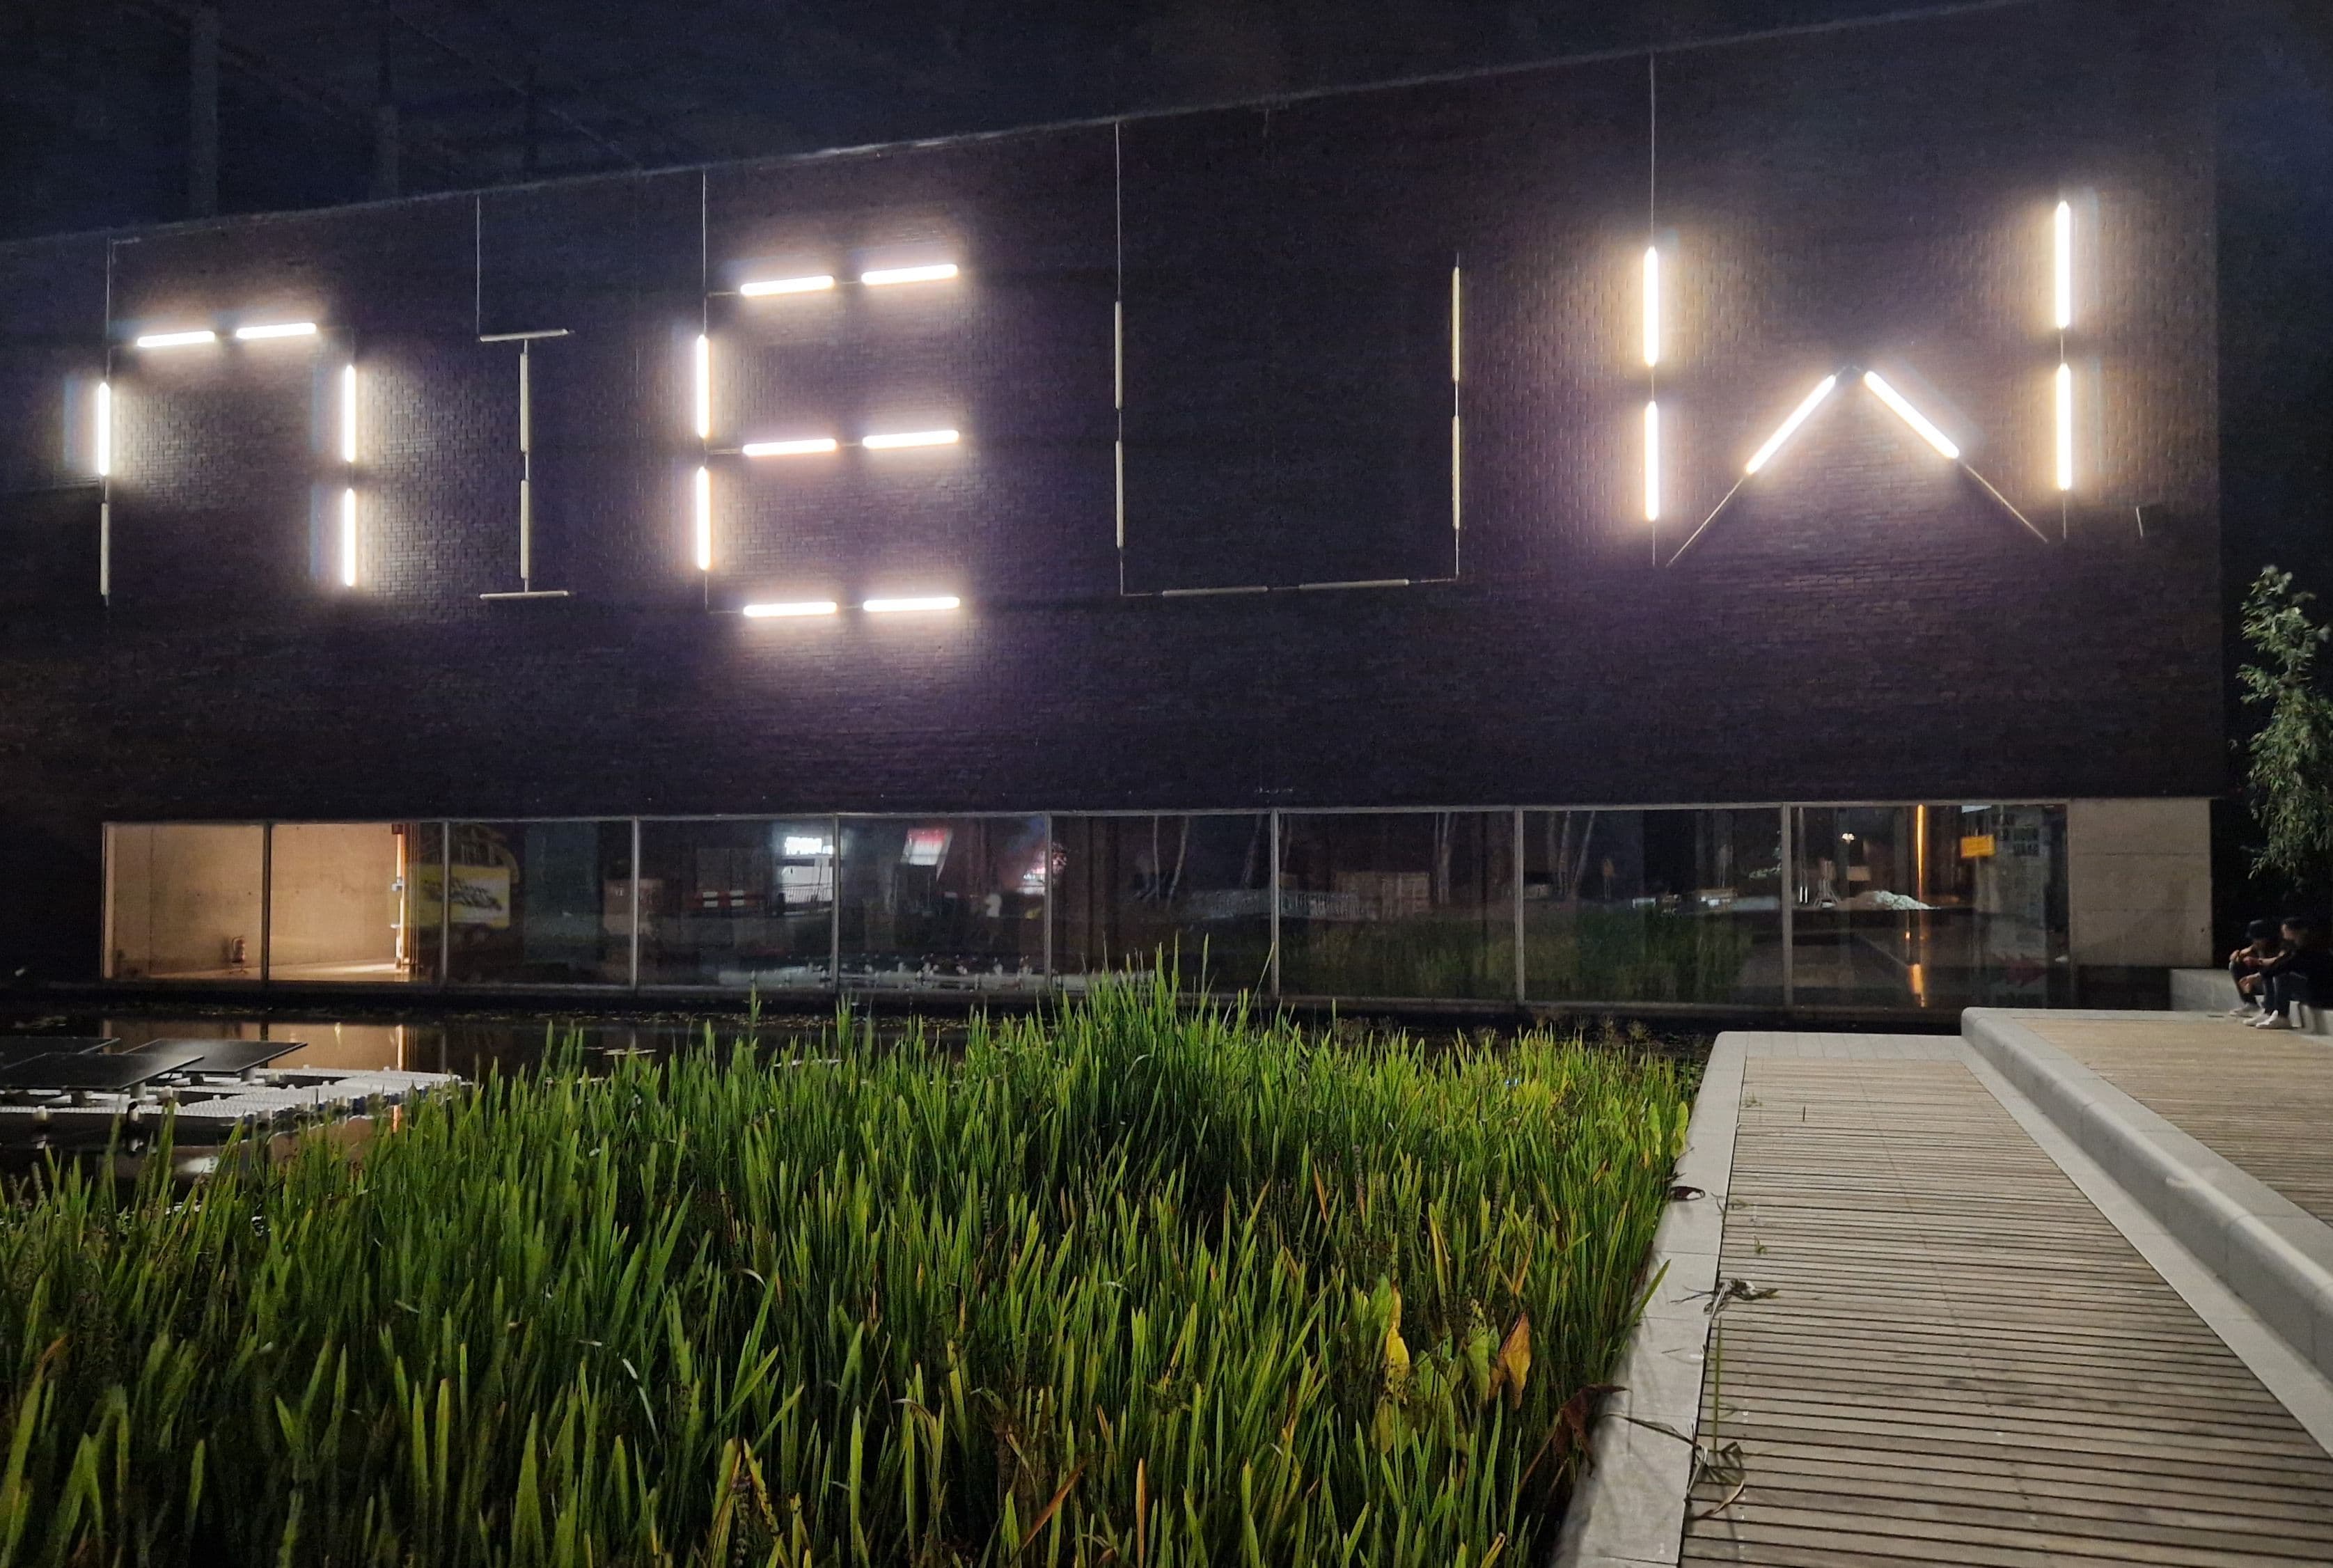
<point>2244,966</point>
<point>2298,975</point>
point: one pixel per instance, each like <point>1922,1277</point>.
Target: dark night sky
<point>94,112</point>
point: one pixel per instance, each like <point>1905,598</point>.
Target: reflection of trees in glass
<point>1628,955</point>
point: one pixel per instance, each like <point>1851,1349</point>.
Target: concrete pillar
<point>202,113</point>
<point>2139,883</point>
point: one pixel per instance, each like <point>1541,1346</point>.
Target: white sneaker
<point>2240,1010</point>
<point>2276,1020</point>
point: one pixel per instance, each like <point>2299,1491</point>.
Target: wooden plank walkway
<point>2261,1102</point>
<point>1965,1362</point>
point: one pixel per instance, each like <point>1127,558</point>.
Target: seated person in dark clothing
<point>2302,973</point>
<point>2245,964</point>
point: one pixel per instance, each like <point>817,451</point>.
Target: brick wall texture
<point>1862,621</point>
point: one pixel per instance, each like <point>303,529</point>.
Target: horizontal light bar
<point>881,276</point>
<point>801,607</point>
<point>175,339</point>
<point>1789,427</point>
<point>348,413</point>
<point>801,448</point>
<point>2061,270</point>
<point>911,438</point>
<point>1651,304</point>
<point>349,538</point>
<point>901,606</point>
<point>104,442</point>
<point>1651,462</point>
<point>802,285</point>
<point>2065,401</point>
<point>276,330</point>
<point>1911,416</point>
<point>704,387</point>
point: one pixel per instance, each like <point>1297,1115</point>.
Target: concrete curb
<point>2275,1256</point>
<point>1628,1508</point>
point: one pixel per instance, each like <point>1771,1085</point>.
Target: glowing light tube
<point>177,340</point>
<point>104,431</point>
<point>883,277</point>
<point>1651,304</point>
<point>911,438</point>
<point>276,330</point>
<point>2061,271</point>
<point>348,413</point>
<point>1789,427</point>
<point>787,612</point>
<point>1651,462</point>
<point>902,606</point>
<point>704,386</point>
<point>802,285</point>
<point>348,537</point>
<point>1911,416</point>
<point>801,448</point>
<point>2065,400</point>
<point>704,520</point>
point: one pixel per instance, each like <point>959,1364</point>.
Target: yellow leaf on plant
<point>1515,1359</point>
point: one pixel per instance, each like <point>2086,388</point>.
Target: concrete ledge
<point>1628,1509</point>
<point>2202,991</point>
<point>2275,1256</point>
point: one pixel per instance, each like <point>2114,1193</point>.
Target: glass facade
<point>738,905</point>
<point>1192,892</point>
<point>1853,907</point>
<point>1654,906</point>
<point>944,904</point>
<point>1397,904</point>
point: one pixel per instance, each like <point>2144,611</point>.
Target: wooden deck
<point>2261,1102</point>
<point>1965,1362</point>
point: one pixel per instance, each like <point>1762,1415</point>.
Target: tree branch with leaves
<point>2290,785</point>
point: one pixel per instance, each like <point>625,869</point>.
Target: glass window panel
<point>540,903</point>
<point>944,903</point>
<point>1930,906</point>
<point>1193,891</point>
<point>184,903</point>
<point>1652,906</point>
<point>738,904</point>
<point>1397,904</point>
<point>347,902</point>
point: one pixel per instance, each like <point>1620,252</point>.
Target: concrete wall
<point>1863,622</point>
<point>2139,881</point>
<point>180,896</point>
<point>332,900</point>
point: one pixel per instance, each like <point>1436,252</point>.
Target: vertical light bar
<point>348,537</point>
<point>1457,368</point>
<point>2065,401</point>
<point>1651,462</point>
<point>704,387</point>
<point>348,413</point>
<point>2061,271</point>
<point>1652,305</point>
<point>703,519</point>
<point>103,442</point>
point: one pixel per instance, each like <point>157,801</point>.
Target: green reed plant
<point>1126,1284</point>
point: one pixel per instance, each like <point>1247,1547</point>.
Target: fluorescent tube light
<point>899,606</point>
<point>801,607</point>
<point>803,286</point>
<point>805,447</point>
<point>2061,234</point>
<point>276,330</point>
<point>911,438</point>
<point>348,413</point>
<point>348,537</point>
<point>882,277</point>
<point>1911,416</point>
<point>1789,427</point>
<point>1651,462</point>
<point>704,387</point>
<point>2065,401</point>
<point>703,519</point>
<point>104,432</point>
<point>1651,304</point>
<point>175,339</point>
